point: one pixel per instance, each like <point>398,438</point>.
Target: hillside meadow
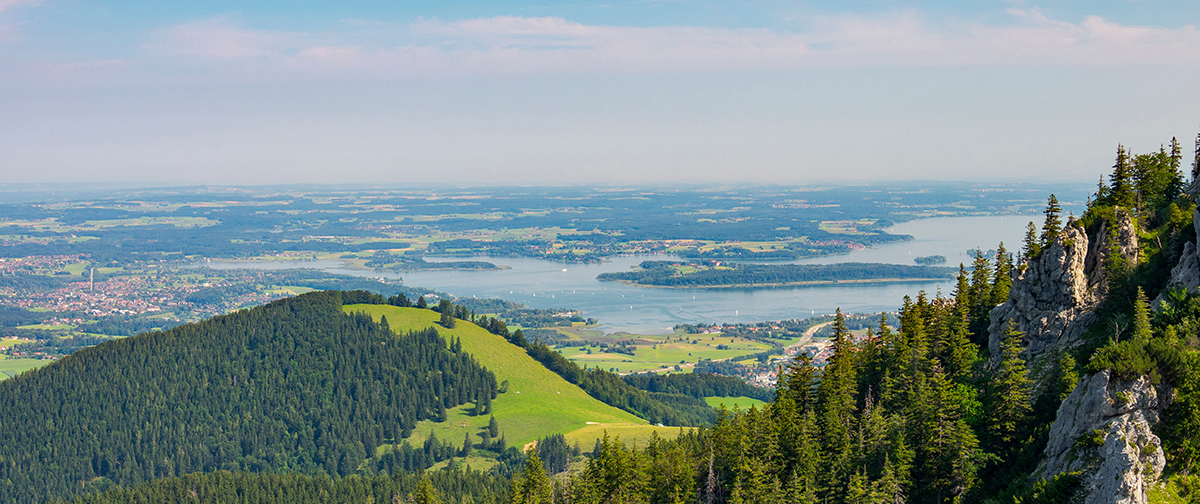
<point>537,402</point>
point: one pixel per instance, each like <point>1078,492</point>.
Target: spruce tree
<point>1053,225</point>
<point>493,427</point>
<point>532,486</point>
<point>426,493</point>
<point>981,295</point>
<point>1032,248</point>
<point>1196,160</point>
<point>837,404</point>
<point>1002,275</point>
<point>1141,317</point>
<point>1007,404</point>
<point>1121,181</point>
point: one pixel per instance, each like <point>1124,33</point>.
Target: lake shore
<point>867,281</point>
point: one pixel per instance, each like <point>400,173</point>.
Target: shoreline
<point>782,284</point>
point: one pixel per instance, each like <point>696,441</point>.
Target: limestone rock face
<point>1053,298</point>
<point>1051,301</point>
<point>1186,273</point>
<point>1124,236</point>
<point>1103,429</point>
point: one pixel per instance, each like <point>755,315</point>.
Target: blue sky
<point>589,92</point>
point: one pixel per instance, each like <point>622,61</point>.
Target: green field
<point>743,403</point>
<point>538,402</point>
<point>629,434</point>
<point>11,342</point>
<point>657,352</point>
<point>13,367</point>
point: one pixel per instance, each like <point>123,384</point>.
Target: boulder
<point>1103,431</point>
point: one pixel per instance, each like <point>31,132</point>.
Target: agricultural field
<point>630,434</point>
<point>10,367</point>
<point>537,403</point>
<point>654,352</point>
<point>742,403</point>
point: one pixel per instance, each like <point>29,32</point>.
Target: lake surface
<point>540,283</point>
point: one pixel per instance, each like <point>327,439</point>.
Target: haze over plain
<point>622,92</point>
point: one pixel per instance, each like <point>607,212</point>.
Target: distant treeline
<point>793,251</point>
<point>698,385</point>
<point>661,273</point>
<point>383,259</point>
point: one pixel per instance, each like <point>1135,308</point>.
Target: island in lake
<point>724,275</point>
<point>930,260</point>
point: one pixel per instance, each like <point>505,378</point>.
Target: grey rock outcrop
<point>1186,273</point>
<point>1103,430</point>
<point>1051,300</point>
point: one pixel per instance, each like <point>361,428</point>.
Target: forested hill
<point>294,385</point>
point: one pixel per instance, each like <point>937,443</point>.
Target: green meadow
<point>742,403</point>
<point>538,401</point>
<point>10,367</point>
<point>656,352</point>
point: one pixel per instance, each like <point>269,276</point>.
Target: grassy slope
<point>743,403</point>
<point>538,402</point>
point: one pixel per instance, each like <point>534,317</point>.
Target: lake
<point>540,283</point>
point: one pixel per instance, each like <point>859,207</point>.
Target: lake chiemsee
<point>540,283</point>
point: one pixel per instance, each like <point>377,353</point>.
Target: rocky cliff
<point>1186,273</point>
<point>1053,297</point>
<point>1103,431</point>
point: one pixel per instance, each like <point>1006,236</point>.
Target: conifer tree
<point>1141,317</point>
<point>426,493</point>
<point>1002,275</point>
<point>1121,181</point>
<point>1008,395</point>
<point>1032,248</point>
<point>493,427</point>
<point>981,295</point>
<point>1052,227</point>
<point>1176,155</point>
<point>1196,160</point>
<point>962,289</point>
<point>837,404</point>
<point>532,486</point>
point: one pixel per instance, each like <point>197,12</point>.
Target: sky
<point>616,92</point>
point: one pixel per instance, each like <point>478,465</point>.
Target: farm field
<point>13,367</point>
<point>538,402</point>
<point>743,403</point>
<point>630,434</point>
<point>656,352</point>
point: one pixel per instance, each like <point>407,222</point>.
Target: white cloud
<point>541,44</point>
<point>220,39</point>
<point>9,4</point>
